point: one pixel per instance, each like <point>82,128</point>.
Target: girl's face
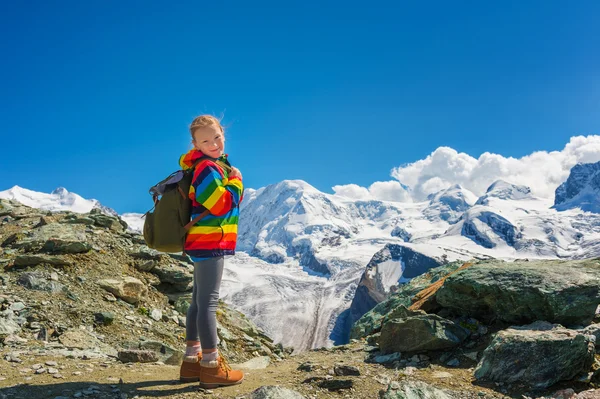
<point>210,141</point>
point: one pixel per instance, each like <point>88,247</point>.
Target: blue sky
<point>97,96</point>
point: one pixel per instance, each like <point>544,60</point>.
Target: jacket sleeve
<point>217,194</point>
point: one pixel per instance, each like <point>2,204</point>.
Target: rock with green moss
<point>370,322</point>
<point>537,355</point>
<point>420,333</point>
<point>566,292</point>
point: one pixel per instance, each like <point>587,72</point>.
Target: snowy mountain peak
<point>449,204</point>
<point>60,191</point>
<point>505,191</point>
<point>58,200</point>
<point>581,190</point>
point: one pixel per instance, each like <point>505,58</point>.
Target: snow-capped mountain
<point>294,225</point>
<point>505,191</point>
<point>581,190</point>
<point>309,263</point>
<point>58,200</point>
<point>449,204</point>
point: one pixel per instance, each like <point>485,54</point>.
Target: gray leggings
<point>201,323</point>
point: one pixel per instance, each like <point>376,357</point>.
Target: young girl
<point>216,188</point>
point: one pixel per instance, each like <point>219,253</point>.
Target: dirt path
<point>19,381</point>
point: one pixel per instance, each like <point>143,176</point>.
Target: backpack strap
<point>195,220</point>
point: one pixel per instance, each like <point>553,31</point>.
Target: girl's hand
<point>235,172</point>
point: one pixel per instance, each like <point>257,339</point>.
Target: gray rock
<point>336,385</point>
<point>17,306</point>
<point>56,238</point>
<point>566,292</point>
<point>82,220</point>
<point>104,318</point>
<point>129,289</point>
<point>385,359</point>
<point>420,334</point>
<point>180,278</point>
<point>83,341</point>
<point>146,253</point>
<point>414,390</point>
<point>112,223</point>
<point>307,366</point>
<point>137,356</point>
<point>156,314</point>
<point>343,370</point>
<point>33,260</point>
<point>593,329</point>
<point>38,281</point>
<point>273,392</point>
<point>164,353</point>
<point>182,304</point>
<point>536,358</point>
<point>6,208</point>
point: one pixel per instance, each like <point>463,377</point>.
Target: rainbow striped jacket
<point>212,190</point>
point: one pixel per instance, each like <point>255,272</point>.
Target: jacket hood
<point>187,160</point>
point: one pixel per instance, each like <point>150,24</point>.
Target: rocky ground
<point>87,310</point>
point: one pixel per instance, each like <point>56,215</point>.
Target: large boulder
<point>129,289</point>
<point>536,355</point>
<point>420,333</point>
<point>56,238</point>
<point>370,322</point>
<point>565,292</point>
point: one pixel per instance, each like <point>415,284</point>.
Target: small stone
<point>344,370</point>
<point>17,306</point>
<point>110,298</point>
<point>37,366</point>
<point>336,385</point>
<point>40,371</point>
<point>104,318</point>
<point>156,314</point>
<point>453,363</point>
<point>384,359</point>
<point>307,366</point>
<point>52,370</point>
<point>137,356</point>
<point>13,358</point>
<point>51,363</point>
<point>57,376</point>
<point>54,276</point>
<point>77,373</point>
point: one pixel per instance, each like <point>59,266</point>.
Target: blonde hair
<point>205,121</point>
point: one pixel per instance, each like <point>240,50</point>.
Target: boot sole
<point>217,385</point>
<point>189,379</point>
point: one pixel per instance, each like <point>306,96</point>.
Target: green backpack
<point>168,222</point>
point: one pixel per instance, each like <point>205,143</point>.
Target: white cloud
<point>353,191</point>
<point>542,171</point>
<point>382,190</point>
